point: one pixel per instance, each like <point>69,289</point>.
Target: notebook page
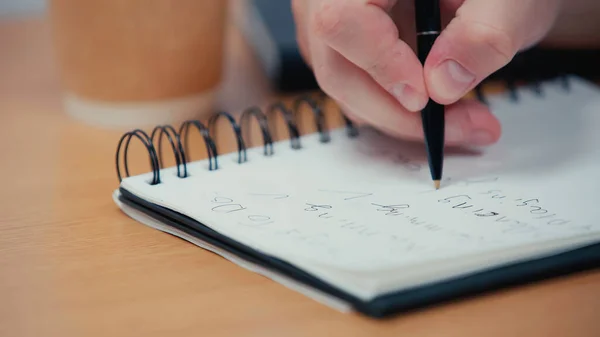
<point>285,280</point>
<point>366,204</point>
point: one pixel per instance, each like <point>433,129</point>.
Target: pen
<point>428,23</point>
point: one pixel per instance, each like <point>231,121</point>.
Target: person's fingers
<point>468,123</point>
<point>366,101</point>
<point>363,32</point>
<point>483,37</point>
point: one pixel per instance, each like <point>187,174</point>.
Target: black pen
<point>428,22</point>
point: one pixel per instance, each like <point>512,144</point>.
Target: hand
<point>362,54</point>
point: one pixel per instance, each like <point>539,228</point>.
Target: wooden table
<point>71,264</point>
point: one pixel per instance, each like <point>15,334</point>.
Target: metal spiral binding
<point>319,117</point>
<point>211,148</point>
<point>179,139</point>
<point>178,151</point>
<point>289,120</point>
<point>147,141</point>
<point>264,127</point>
<point>242,157</point>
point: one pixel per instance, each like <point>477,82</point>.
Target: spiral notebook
<point>348,216</point>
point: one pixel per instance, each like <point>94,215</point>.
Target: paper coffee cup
<point>139,62</point>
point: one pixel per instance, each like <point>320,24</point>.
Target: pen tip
<point>436,184</point>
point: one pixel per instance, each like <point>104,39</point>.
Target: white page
<point>534,186</point>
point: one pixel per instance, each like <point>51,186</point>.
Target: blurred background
<point>245,61</point>
<point>21,7</point>
<point>114,65</point>
<point>268,32</point>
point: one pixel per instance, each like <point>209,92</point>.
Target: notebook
<point>348,216</point>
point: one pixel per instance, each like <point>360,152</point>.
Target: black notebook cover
<point>391,304</point>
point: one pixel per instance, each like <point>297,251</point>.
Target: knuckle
<point>382,66</point>
<point>498,41</point>
<point>327,19</point>
<point>384,51</point>
<point>331,80</point>
<point>326,78</point>
<point>378,68</point>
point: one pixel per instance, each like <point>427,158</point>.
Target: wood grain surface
<point>72,264</point>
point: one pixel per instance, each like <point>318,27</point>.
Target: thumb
<point>483,37</point>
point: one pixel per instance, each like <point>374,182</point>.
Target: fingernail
<point>408,97</point>
<point>451,80</point>
<point>481,138</point>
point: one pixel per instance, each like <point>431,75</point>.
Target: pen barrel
<point>428,16</point>
<point>433,120</point>
<point>424,44</point>
<point>432,115</point>
<point>428,25</point>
